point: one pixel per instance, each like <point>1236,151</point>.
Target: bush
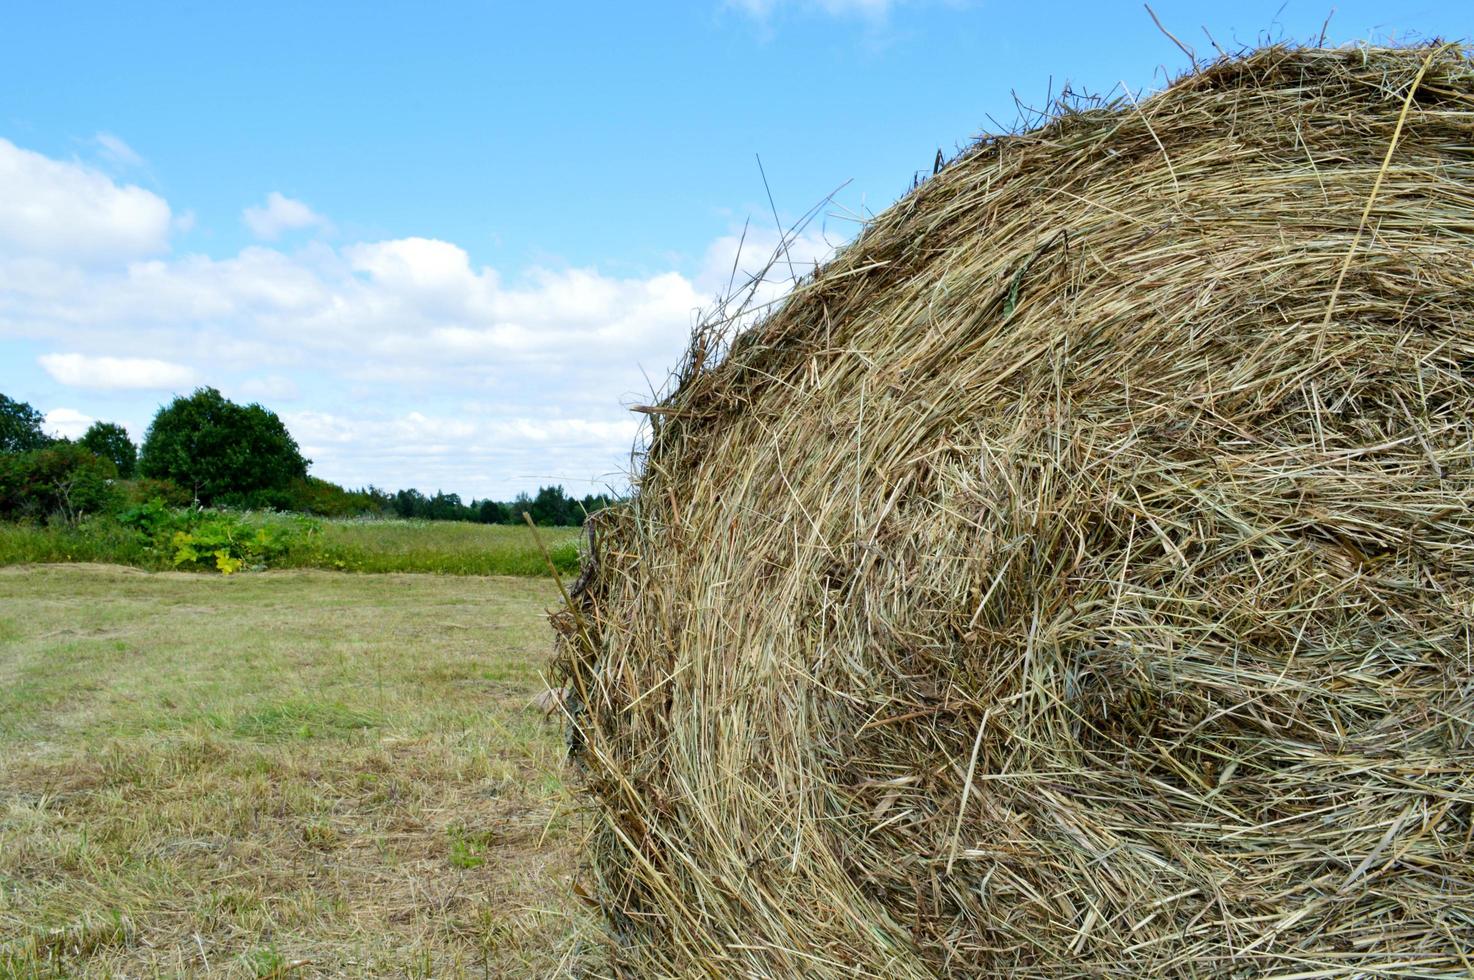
<point>63,481</point>
<point>144,489</point>
<point>229,543</point>
<point>325,499</point>
<point>214,539</point>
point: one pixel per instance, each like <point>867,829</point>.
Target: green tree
<point>110,441</point>
<point>222,451</point>
<point>552,507</point>
<point>20,427</point>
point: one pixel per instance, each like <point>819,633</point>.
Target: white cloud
<point>415,265</point>
<point>758,268</point>
<point>272,389</point>
<point>443,452</point>
<point>403,362</point>
<point>67,210</point>
<point>82,371</point>
<point>119,152</point>
<point>279,214</point>
<point>68,423</point>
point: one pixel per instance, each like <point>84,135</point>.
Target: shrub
<point>63,481</point>
<point>144,489</point>
<point>326,499</point>
<point>212,539</point>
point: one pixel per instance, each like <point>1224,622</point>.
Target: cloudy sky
<point>451,243</point>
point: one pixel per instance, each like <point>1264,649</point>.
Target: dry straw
<point>1075,576</point>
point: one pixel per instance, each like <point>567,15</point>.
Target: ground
<point>297,773</point>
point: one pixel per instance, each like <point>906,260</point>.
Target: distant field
<point>291,773</point>
<point>450,547</point>
<point>445,547</point>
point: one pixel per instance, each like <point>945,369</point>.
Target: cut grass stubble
<point>299,771</point>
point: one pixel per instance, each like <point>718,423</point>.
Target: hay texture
<point>1075,576</point>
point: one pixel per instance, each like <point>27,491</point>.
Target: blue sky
<point>449,242</point>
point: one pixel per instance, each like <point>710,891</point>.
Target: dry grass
<point>290,773</point>
<point>1076,576</point>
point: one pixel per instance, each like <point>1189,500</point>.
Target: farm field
<point>291,773</point>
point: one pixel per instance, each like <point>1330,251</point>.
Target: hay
<point>1075,576</point>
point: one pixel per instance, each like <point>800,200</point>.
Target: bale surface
<point>1075,576</point>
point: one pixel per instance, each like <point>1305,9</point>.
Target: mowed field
<point>291,773</point>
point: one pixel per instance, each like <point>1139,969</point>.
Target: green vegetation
<point>293,771</point>
<point>62,481</point>
<point>155,537</point>
<point>20,427</point>
<point>266,774</point>
<point>449,548</point>
<point>206,450</point>
<point>110,441</point>
<point>224,453</point>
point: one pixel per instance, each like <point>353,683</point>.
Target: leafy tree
<point>551,506</point>
<point>219,449</point>
<point>592,504</point>
<point>380,501</point>
<point>20,427</point>
<point>520,504</point>
<point>411,503</point>
<point>110,441</point>
<point>442,506</point>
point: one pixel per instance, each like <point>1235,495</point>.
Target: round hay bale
<point>1075,576</point>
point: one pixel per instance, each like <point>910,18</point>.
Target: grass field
<point>448,547</point>
<point>294,773</point>
<point>444,547</point>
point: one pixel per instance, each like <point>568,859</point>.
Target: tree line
<point>205,450</point>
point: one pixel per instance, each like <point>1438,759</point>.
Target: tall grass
<point>93,542</point>
<point>446,547</point>
<point>442,547</point>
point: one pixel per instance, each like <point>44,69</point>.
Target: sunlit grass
<point>294,771</point>
<point>443,547</point>
<point>448,547</point>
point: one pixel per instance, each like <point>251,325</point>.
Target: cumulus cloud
<point>280,214</point>
<point>59,209</point>
<point>467,450</point>
<point>82,371</point>
<point>400,362</point>
<point>68,423</point>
